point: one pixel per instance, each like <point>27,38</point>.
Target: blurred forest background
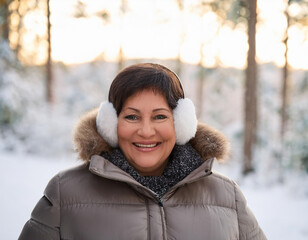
<point>244,64</point>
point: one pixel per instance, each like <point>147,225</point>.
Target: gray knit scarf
<point>182,161</point>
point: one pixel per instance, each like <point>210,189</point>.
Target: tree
<point>178,68</point>
<point>246,11</point>
<point>5,19</point>
<point>19,10</point>
<point>293,130</point>
<point>235,12</point>
<point>302,19</point>
<point>285,79</point>
<point>49,75</point>
<point>251,113</point>
<point>123,10</point>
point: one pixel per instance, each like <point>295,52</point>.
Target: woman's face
<point>146,132</point>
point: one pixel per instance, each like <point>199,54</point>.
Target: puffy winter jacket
<point>98,200</point>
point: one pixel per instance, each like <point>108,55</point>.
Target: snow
<point>280,214</point>
<point>23,179</point>
<point>281,209</point>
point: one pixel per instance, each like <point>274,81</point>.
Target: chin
<point>147,167</point>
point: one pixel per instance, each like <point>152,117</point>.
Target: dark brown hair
<point>143,76</point>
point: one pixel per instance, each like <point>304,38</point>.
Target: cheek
<point>168,132</point>
<point>124,132</point>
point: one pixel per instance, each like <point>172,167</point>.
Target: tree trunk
<point>251,116</point>
<point>200,87</point>
<point>6,23</point>
<point>123,9</point>
<point>120,59</point>
<point>285,83</point>
<point>19,27</point>
<point>49,76</point>
<point>200,84</point>
<point>178,66</point>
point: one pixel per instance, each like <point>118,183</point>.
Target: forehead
<point>147,98</point>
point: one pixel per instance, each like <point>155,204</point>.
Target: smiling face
<point>146,132</point>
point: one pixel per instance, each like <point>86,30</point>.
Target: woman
<point>146,173</point>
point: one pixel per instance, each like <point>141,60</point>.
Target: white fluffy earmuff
<point>107,123</point>
<point>185,121</point>
<point>184,115</point>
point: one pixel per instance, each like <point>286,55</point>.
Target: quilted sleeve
<point>249,228</point>
<point>45,217</point>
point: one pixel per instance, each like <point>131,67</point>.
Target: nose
<point>146,129</point>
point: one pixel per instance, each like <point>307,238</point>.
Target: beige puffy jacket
<point>97,200</point>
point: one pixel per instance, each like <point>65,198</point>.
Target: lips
<point>142,145</point>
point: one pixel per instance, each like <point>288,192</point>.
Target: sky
<point>158,29</point>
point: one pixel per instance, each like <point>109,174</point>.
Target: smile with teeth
<point>146,145</point>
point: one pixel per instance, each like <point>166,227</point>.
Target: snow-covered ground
<point>281,209</point>
<point>22,182</point>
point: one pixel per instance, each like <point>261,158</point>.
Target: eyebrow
<point>134,109</point>
<point>155,110</point>
<point>160,109</point>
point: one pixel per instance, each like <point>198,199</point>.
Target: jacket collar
<point>208,142</point>
<point>203,171</point>
<point>103,168</point>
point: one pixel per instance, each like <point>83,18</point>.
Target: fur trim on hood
<point>208,142</point>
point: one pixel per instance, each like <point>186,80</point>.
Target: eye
<point>131,117</point>
<point>160,117</point>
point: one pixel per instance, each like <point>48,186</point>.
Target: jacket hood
<point>208,142</point>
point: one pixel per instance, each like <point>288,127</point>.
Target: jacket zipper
<point>163,218</point>
<point>148,219</point>
<point>160,203</point>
